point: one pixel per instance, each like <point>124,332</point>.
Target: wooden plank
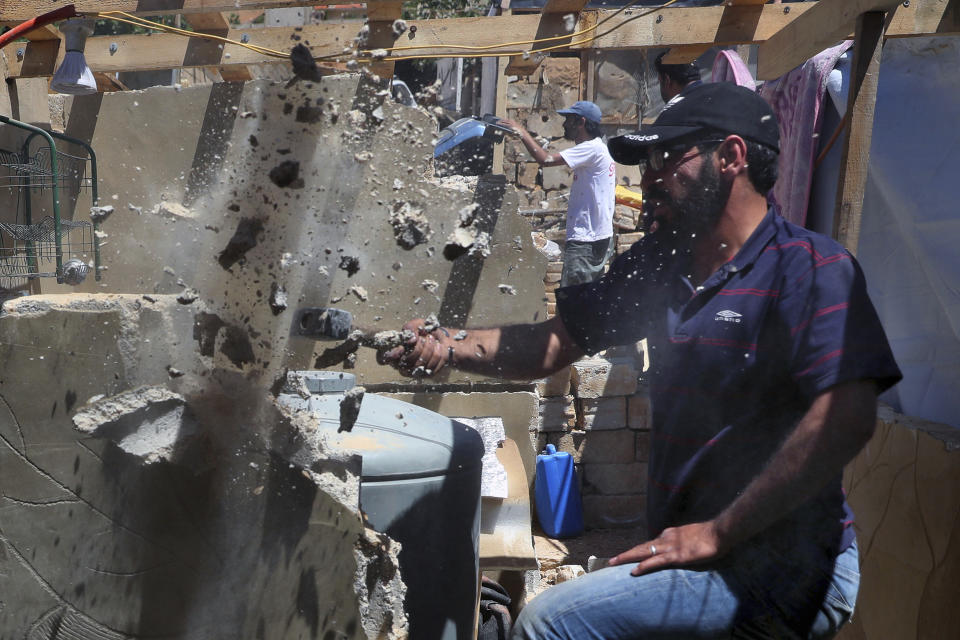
<point>826,24</point>
<point>685,54</point>
<point>381,17</point>
<point>553,23</point>
<point>41,57</point>
<point>217,24</point>
<point>20,10</point>
<point>689,26</point>
<point>855,160</point>
<point>46,32</point>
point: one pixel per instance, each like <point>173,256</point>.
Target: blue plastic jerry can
<point>557,494</point>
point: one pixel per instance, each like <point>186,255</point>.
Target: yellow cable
<point>535,41</point>
<point>515,53</point>
<point>140,22</point>
<point>137,21</point>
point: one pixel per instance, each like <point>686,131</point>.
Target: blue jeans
<point>761,592</point>
<point>584,261</point>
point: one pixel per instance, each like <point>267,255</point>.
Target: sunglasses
<point>660,157</point>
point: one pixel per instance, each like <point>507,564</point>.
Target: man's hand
<point>424,355</point>
<point>511,124</point>
<point>675,547</point>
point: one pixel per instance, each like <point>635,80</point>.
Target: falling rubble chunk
<point>350,264</point>
<point>350,408</point>
<point>278,298</point>
<point>431,323</point>
<point>147,422</point>
<point>410,226</point>
<point>188,296</point>
<point>99,214</point>
<point>173,209</point>
<point>430,285</point>
<point>508,289</point>
<point>244,238</point>
<point>467,236</point>
<point>386,340</point>
<point>460,335</point>
<point>359,292</point>
<point>304,67</point>
<point>287,174</point>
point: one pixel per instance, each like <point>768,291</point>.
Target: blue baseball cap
<point>583,108</point>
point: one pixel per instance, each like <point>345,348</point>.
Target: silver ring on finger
<point>653,549</point>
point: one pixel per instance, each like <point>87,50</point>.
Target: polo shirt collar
<point>756,243</point>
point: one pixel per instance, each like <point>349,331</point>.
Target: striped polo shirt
<point>735,362</point>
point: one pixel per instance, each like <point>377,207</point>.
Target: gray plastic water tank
<point>420,484</point>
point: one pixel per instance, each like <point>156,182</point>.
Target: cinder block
<point>557,177</point>
<point>615,479</point>
<point>527,173</point>
<point>510,170</point>
<point>557,414</point>
<point>551,309</point>
<point>555,267</point>
<point>596,447</point>
<point>602,413</point>
<point>601,378</point>
<point>610,512</point>
<point>556,385</point>
<point>547,124</point>
<point>625,218</point>
<point>638,412</point>
<point>551,278</point>
<point>642,446</point>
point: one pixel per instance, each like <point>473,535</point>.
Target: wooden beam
<point>217,24</point>
<point>827,23</point>
<point>553,22</point>
<point>381,17</point>
<point>688,26</point>
<point>685,53</point>
<point>20,10</point>
<point>855,160</point>
<point>46,32</point>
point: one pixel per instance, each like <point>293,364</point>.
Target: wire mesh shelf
<point>52,247</point>
<point>35,171</point>
<point>24,248</point>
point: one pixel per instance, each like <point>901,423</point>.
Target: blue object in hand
<point>557,494</point>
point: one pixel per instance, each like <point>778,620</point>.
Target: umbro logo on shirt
<point>728,316</point>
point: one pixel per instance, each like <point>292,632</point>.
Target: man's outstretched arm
<point>516,352</point>
<point>541,155</point>
<point>838,424</point>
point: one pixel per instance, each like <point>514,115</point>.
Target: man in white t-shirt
<point>590,241</point>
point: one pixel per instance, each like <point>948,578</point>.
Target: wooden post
<point>500,101</point>
<point>861,102</point>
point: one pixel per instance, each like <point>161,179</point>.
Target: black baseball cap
<point>713,108</point>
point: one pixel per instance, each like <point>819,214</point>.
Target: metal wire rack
<point>52,247</point>
<point>19,170</point>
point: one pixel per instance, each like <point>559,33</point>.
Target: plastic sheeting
<point>910,231</point>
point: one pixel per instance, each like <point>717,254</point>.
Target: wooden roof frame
<point>787,35</point>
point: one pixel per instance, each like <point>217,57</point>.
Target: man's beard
<point>696,213</point>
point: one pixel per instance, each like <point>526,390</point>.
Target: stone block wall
<point>596,410</point>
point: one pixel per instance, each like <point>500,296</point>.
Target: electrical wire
<point>129,18</point>
<point>571,36</point>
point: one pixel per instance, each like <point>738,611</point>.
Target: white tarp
<point>910,235</point>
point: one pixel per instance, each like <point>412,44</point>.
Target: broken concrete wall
<point>237,191</point>
<point>221,520</point>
